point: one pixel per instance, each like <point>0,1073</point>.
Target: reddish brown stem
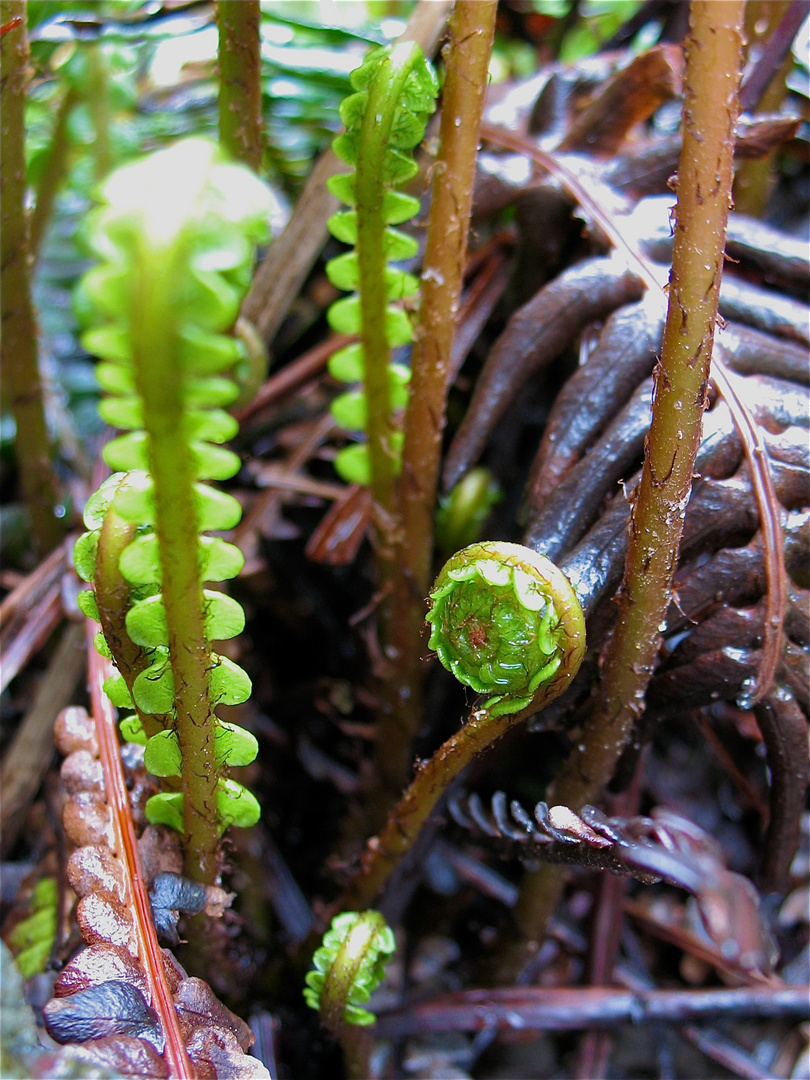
<point>467,58</point>
<point>241,131</point>
<point>714,49</point>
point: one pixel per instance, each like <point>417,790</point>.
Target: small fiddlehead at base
<point>349,966</point>
<point>504,620</point>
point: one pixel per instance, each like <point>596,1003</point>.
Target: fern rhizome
<point>175,240</point>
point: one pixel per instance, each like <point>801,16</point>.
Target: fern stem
<point>704,192</point>
<point>466,57</point>
<point>113,595</point>
<point>432,780</point>
<point>159,380</point>
<point>370,187</point>
<point>98,95</point>
<point>532,612</point>
<point>680,397</point>
<point>22,386</point>
<point>241,131</point>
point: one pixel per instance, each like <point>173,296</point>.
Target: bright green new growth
<point>349,966</point>
<point>31,940</point>
<point>503,619</point>
<point>385,119</point>
<point>463,512</point>
<point>175,241</point>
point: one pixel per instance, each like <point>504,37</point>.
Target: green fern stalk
<point>175,242</point>
<point>385,119</point>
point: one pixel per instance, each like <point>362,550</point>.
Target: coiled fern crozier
<point>385,119</point>
<point>505,621</point>
<point>175,241</point>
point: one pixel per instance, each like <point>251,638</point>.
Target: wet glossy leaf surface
<point>110,1008</point>
<point>555,367</point>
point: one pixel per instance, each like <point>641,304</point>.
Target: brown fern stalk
<point>22,387</point>
<point>472,28</point>
<point>714,49</point>
<point>241,132</point>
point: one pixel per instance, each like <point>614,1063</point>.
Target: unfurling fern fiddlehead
<point>507,623</point>
<point>503,620</point>
<point>385,119</point>
<point>175,242</point>
<point>348,968</point>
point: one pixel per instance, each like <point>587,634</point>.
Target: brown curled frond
<point>662,846</point>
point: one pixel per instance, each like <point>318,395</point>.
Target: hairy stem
<point>22,387</point>
<point>160,378</point>
<point>725,382</point>
<point>386,851</point>
<point>241,131</point>
<point>681,380</point>
<point>466,57</point>
<point>455,608</point>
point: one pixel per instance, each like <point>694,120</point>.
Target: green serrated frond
<point>175,239</point>
<point>385,119</point>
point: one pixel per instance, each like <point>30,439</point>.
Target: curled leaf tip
<point>348,968</point>
<point>506,622</point>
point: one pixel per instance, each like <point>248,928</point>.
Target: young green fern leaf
<point>175,242</point>
<point>504,620</point>
<point>31,940</point>
<point>385,119</point>
<point>463,512</point>
<point>349,966</point>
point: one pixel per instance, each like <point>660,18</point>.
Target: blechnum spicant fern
<point>385,119</point>
<point>175,239</point>
<point>348,968</point>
